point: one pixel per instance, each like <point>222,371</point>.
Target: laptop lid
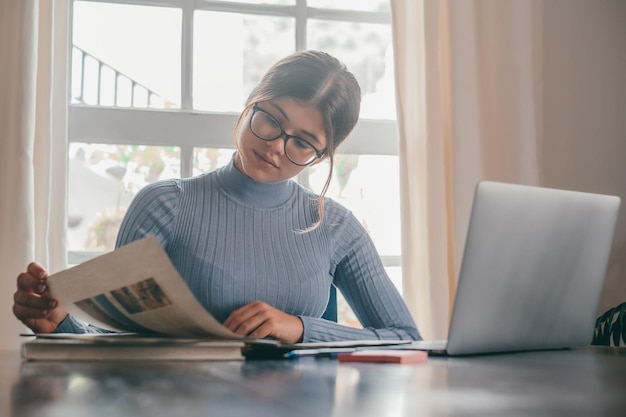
<point>533,269</point>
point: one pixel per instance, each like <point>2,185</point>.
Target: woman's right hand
<point>32,303</point>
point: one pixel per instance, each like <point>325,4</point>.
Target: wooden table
<point>585,382</point>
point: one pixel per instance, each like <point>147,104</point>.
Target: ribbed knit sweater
<point>235,240</point>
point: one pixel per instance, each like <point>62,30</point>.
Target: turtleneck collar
<point>251,192</point>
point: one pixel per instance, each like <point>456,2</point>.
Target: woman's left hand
<point>260,320</point>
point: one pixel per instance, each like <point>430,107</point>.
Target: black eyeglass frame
<point>285,135</point>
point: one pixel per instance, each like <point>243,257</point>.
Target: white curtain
<point>468,92</point>
<point>33,127</point>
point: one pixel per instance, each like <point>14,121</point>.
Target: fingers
<point>37,271</point>
<point>245,319</point>
<point>33,279</point>
<point>24,313</point>
<point>33,301</point>
<point>30,309</point>
<point>30,300</point>
<point>260,320</point>
<point>277,325</point>
<point>28,306</point>
<point>32,304</point>
<point>265,329</point>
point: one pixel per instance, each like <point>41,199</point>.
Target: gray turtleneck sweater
<point>235,240</point>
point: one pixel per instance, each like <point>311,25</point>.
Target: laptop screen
<point>533,269</point>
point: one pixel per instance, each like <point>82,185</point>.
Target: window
<point>157,85</point>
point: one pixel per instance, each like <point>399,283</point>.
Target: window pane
<point>102,180</point>
<point>362,5</point>
<point>368,185</point>
<point>232,52</point>
<point>345,315</point>
<point>131,55</point>
<point>209,159</point>
<point>366,50</point>
<point>280,2</point>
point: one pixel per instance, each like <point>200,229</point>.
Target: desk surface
<point>586,382</point>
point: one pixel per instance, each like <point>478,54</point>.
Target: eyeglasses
<point>267,128</point>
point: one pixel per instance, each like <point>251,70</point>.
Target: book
<point>129,347</point>
<point>384,356</point>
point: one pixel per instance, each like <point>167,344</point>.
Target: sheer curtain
<point>468,83</point>
<point>33,107</point>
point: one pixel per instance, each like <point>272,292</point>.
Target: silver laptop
<point>533,270</point>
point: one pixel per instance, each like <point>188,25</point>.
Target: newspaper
<point>135,288</point>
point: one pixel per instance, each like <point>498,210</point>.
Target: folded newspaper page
<point>135,288</point>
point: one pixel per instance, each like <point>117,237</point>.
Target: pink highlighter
<point>384,356</point>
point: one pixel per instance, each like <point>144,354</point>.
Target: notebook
<point>533,270</point>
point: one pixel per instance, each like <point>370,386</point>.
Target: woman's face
<point>265,161</point>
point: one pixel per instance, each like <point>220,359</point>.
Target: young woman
<point>259,251</point>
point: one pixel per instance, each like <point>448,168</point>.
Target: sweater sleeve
<point>72,325</point>
<point>362,279</point>
<point>152,212</point>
